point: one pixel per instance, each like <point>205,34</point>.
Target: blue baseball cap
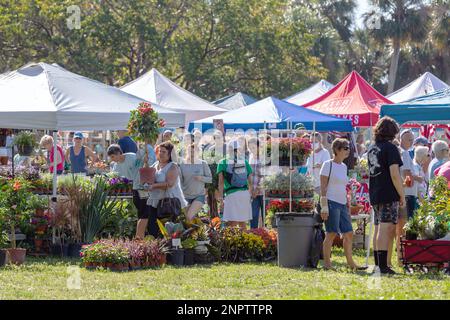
<point>78,135</point>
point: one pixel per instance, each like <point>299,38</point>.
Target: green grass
<point>47,279</point>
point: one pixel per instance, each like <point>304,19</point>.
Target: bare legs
<point>140,229</point>
<point>193,209</point>
<point>348,244</point>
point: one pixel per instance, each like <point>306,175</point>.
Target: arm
<point>323,197</point>
<point>397,181</point>
<point>207,176</point>
<point>221,185</point>
<point>171,179</point>
<point>89,153</point>
<point>67,155</point>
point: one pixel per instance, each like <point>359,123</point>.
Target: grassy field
<point>48,278</point>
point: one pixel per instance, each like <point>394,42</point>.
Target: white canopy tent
<point>424,85</point>
<point>43,96</point>
<point>155,87</point>
<point>311,93</point>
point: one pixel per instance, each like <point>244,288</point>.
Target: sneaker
<point>387,271</point>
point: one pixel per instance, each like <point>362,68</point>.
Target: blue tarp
<point>272,113</point>
<point>432,108</point>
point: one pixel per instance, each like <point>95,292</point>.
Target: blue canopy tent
<point>272,113</point>
<point>432,108</point>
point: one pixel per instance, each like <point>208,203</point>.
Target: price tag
<point>176,242</point>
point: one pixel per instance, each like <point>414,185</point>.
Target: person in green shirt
<point>234,185</point>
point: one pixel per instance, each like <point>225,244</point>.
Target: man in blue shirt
<point>126,143</point>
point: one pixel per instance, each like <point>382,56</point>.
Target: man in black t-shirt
<point>385,188</point>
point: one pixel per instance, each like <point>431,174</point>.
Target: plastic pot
<point>177,257</point>
<point>60,250</point>
<point>17,256</point>
<point>147,175</point>
<point>25,151</point>
<point>189,257</point>
<point>74,250</point>
<point>2,258</point>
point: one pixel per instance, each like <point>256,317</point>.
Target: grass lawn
<point>47,279</point>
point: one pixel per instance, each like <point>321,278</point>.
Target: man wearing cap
<point>77,153</point>
<point>126,143</point>
<point>234,184</point>
<point>167,136</point>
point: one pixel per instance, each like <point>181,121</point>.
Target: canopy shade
<point>352,98</point>
<point>156,88</point>
<point>272,113</point>
<point>311,93</point>
<point>432,108</point>
<point>44,96</point>
<point>425,84</point>
<point>235,101</point>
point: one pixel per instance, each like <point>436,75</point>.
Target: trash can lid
<point>294,214</point>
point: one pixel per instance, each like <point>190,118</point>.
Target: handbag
<point>168,207</point>
<point>318,206</point>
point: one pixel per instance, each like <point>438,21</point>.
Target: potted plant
<point>189,245</point>
<point>144,125</point>
<point>39,204</point>
<point>4,240</point>
<point>25,142</point>
<point>201,235</point>
<point>15,208</point>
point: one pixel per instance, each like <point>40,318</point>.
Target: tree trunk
<point>394,66</point>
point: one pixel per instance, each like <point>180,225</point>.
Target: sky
<point>363,6</point>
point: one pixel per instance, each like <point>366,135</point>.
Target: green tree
<point>401,22</point>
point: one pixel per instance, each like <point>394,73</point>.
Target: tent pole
<point>290,166</point>
<point>372,213</point>
<point>313,153</point>
<point>55,158</point>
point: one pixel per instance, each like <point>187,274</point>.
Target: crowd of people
<point>401,168</point>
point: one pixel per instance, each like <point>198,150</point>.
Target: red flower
<point>17,186</point>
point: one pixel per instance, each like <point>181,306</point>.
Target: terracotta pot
<point>38,244</point>
<point>17,256</point>
<point>147,175</point>
<point>4,161</point>
<point>354,210</point>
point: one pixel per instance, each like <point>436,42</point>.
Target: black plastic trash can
<point>295,236</point>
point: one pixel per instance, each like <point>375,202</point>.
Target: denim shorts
<point>199,199</point>
<point>339,220</point>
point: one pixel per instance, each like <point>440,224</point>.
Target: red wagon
<point>425,254</point>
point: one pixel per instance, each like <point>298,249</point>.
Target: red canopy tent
<point>352,98</point>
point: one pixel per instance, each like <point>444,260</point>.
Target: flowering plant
<point>136,253</point>
<point>270,238</point>
<point>144,123</point>
<point>358,198</point>
<point>14,197</point>
<point>301,148</point>
<point>432,219</point>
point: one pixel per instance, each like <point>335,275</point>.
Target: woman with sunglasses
<point>334,202</point>
<point>77,153</point>
<point>195,173</point>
